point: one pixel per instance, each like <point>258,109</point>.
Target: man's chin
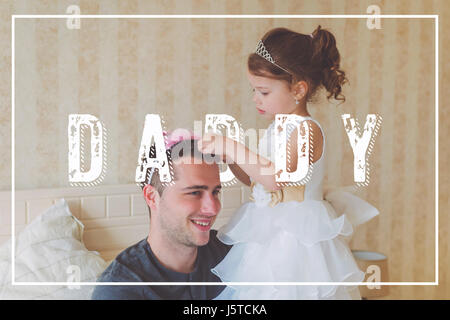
<point>200,232</point>
<point>202,239</point>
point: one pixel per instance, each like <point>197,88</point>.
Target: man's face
<point>188,208</point>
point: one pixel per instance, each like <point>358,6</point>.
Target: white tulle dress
<point>293,241</point>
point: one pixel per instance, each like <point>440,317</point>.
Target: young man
<point>180,247</point>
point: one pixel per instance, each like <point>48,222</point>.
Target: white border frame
<point>351,16</point>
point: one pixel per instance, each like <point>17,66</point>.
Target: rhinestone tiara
<point>262,52</point>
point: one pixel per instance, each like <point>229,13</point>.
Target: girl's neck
<point>302,113</point>
<point>301,110</point>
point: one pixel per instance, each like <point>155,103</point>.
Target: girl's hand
<point>216,144</point>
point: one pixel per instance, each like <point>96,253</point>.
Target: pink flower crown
<point>171,139</point>
<point>178,135</point>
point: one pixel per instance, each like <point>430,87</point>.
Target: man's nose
<point>210,204</point>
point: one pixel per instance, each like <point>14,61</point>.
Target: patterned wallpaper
<point>121,69</point>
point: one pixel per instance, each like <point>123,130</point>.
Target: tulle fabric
<point>291,242</point>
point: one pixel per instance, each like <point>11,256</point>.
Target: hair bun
<point>326,57</point>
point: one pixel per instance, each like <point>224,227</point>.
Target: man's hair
<point>184,148</point>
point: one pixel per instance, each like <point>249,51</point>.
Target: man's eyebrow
<point>202,187</point>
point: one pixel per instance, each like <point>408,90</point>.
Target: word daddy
<point>361,144</point>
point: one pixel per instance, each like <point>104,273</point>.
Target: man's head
<point>184,211</point>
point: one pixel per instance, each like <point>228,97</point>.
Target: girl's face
<point>272,96</point>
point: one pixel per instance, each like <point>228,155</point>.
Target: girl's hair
<point>312,58</point>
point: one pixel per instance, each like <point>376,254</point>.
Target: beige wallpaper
<point>121,69</point>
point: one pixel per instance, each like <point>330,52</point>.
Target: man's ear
<point>300,90</point>
<point>151,197</point>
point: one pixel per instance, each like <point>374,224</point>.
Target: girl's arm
<point>253,165</point>
<point>250,163</point>
<point>260,169</point>
<point>240,174</point>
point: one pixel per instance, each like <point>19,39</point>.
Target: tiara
<point>262,52</point>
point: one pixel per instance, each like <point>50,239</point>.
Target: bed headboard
<point>114,217</point>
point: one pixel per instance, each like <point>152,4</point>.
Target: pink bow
<point>178,135</point>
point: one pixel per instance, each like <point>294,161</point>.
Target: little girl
<point>289,234</point>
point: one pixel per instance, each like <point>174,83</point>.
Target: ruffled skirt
<point>291,242</point>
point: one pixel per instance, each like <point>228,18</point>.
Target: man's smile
<point>202,223</point>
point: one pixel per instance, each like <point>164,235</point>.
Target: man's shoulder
<point>126,266</point>
<point>133,252</point>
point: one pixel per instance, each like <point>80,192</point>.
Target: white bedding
<point>50,249</point>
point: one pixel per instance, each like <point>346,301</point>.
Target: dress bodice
<point>314,184</point>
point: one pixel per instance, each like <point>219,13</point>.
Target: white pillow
<point>50,249</point>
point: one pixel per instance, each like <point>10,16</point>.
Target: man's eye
<point>264,93</point>
<point>194,193</point>
<point>216,192</point>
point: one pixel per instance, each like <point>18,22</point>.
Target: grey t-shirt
<point>138,264</point>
